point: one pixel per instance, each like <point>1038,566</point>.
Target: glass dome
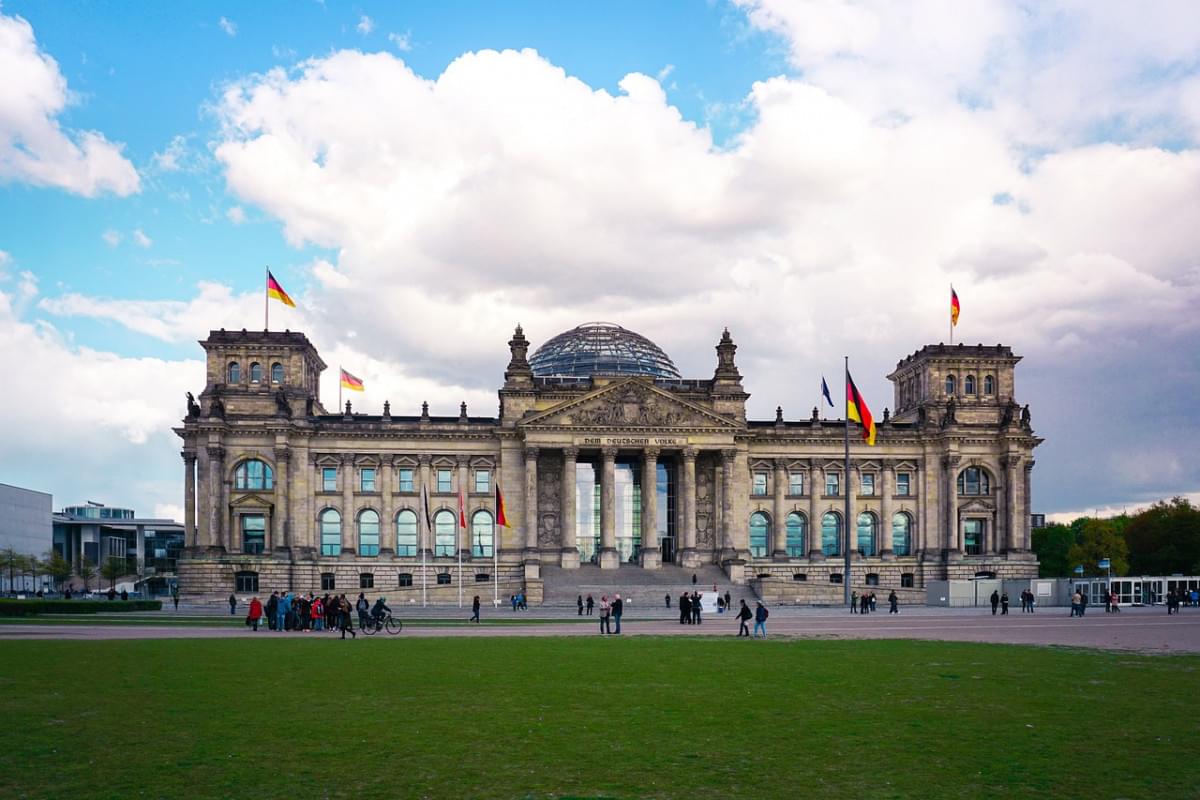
<point>601,348</point>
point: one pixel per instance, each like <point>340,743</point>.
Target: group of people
<point>518,601</point>
<point>865,603</point>
<point>1175,599</point>
<point>610,613</point>
<point>291,611</point>
<point>1000,600</point>
<point>759,614</point>
<point>691,606</point>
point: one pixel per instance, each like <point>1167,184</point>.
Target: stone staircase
<point>640,588</point>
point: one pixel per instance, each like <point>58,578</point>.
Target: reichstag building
<point>605,457</point>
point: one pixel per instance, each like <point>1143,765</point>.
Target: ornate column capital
<point>1029,465</point>
<point>424,459</point>
<point>188,456</point>
<point>728,455</point>
<point>781,464</point>
<point>348,459</point>
<point>1010,461</point>
<point>282,454</point>
<point>312,458</point>
<point>650,454</point>
<point>609,453</point>
<point>570,453</point>
<point>531,453</point>
<point>689,454</point>
<point>951,461</point>
<point>215,452</point>
<point>462,460</point>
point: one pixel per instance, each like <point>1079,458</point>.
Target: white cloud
<point>34,148</point>
<point>365,25</point>
<point>230,28</point>
<point>401,41</point>
<point>171,159</point>
<point>111,238</point>
<point>236,215</point>
<point>140,238</point>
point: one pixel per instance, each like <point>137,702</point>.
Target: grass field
<point>592,717</point>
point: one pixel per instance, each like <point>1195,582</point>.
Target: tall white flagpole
<point>267,300</point>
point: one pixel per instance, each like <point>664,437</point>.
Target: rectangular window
<point>903,484</point>
<point>406,480</point>
<point>329,479</point>
<point>254,533</point>
<point>833,482</point>
<point>328,583</point>
<point>973,537</point>
<point>868,484</point>
<point>366,479</point>
<point>483,481</point>
<point>796,483</point>
<point>444,481</point>
<point>760,483</point>
<point>366,581</point>
<point>246,581</point>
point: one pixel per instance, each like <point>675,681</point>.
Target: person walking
<point>1083,601</point>
<point>854,602</point>
<point>590,605</point>
<point>864,602</point>
<point>174,596</point>
<point>893,603</point>
<point>272,609</point>
<point>1075,604</point>
<point>362,607</point>
<point>668,600</point>
<point>871,605</point>
<point>1107,603</point>
<point>1004,604</point>
<point>232,604</point>
<point>474,610</point>
<point>995,601</point>
<point>344,618</point>
<point>281,612</point>
<point>728,600</point>
<point>744,616</point>
<point>605,610</point>
<point>1116,603</point>
<point>696,608</point>
<point>316,612</point>
<point>760,620</point>
<point>579,603</point>
<point>685,609</point>
<point>256,612</point>
<point>618,608</point>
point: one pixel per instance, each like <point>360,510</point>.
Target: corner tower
<point>261,372</point>
<point>967,383</point>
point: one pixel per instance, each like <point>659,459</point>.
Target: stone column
<point>728,552</point>
<point>281,526</point>
<point>566,516</point>
<point>189,498</point>
<point>816,486</point>
<point>387,525</point>
<point>1025,507</point>
<point>609,558</point>
<point>651,549</point>
<point>952,530</point>
<point>349,523</point>
<point>216,507</point>
<point>688,556</point>
<point>850,487</point>
<point>531,504</point>
<point>779,512</point>
<point>888,479</point>
<point>424,534</point>
<point>464,488</point>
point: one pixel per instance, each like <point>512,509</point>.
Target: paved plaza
<point>1146,630</point>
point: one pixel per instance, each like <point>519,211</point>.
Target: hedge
<point>24,608</point>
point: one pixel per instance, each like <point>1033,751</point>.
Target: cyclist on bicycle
<point>379,608</point>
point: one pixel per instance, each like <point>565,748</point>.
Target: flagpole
<point>339,408</point>
<point>952,314</point>
<point>267,300</point>
<point>846,489</point>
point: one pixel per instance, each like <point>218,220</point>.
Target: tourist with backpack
<point>760,620</point>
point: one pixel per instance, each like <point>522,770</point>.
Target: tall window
<point>481,534</point>
<point>901,534</point>
<point>406,480</point>
<point>951,385</point>
<point>760,483</point>
<point>445,526</point>
<point>256,372</point>
<point>368,533</point>
<point>254,533</point>
<point>246,581</point>
<point>903,484</point>
<point>831,533</point>
<point>868,528</point>
<point>366,479</point>
<point>969,384</point>
<point>989,385</point>
<point>973,537</point>
<point>759,526</point>
<point>833,482</point>
<point>331,532</point>
<point>253,475</point>
<point>795,483</point>
<point>795,535</point>
<point>483,481</point>
<point>444,481</point>
<point>277,373</point>
<point>868,484</point>
<point>329,479</point>
<point>406,533</point>
<point>973,481</point>
<point>235,372</point>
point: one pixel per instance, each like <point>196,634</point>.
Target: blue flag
<point>825,391</point>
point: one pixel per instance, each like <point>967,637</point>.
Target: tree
<point>1098,539</point>
<point>1052,545</point>
<point>1165,539</point>
<point>86,572</point>
<point>58,568</point>
<point>8,562</point>
<point>23,568</point>
<point>111,569</point>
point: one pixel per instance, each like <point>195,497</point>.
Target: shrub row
<point>24,608</point>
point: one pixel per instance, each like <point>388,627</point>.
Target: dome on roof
<point>601,348</point>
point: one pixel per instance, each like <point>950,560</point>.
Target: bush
<point>25,608</point>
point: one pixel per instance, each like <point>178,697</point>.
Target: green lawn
<point>300,717</point>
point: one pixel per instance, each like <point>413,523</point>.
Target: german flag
<point>501,516</point>
<point>276,291</point>
<point>856,409</point>
<point>954,307</point>
<point>350,382</point>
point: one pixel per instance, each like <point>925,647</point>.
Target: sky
<point>421,177</point>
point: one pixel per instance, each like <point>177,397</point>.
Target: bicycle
<point>376,624</point>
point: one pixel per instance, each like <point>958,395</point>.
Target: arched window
<point>831,533</point>
<point>235,372</point>
<point>901,534</point>
<point>969,384</point>
<point>256,372</point>
<point>951,385</point>
<point>989,385</point>
<point>796,525</point>
<point>406,533</point>
<point>368,533</point>
<point>331,532</point>
<point>868,528</point>
<point>482,532</point>
<point>253,475</point>
<point>974,481</point>
<point>277,373</point>
<point>759,526</point>
<point>445,526</point>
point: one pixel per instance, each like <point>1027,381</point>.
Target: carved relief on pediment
<point>635,405</point>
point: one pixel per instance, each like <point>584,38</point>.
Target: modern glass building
<point>148,548</point>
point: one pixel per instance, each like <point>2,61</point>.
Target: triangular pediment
<point>977,505</point>
<point>250,501</point>
<point>631,403</point>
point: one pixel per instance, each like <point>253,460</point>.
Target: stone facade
<point>280,492</point>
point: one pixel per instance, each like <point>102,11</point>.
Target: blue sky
<point>423,176</point>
